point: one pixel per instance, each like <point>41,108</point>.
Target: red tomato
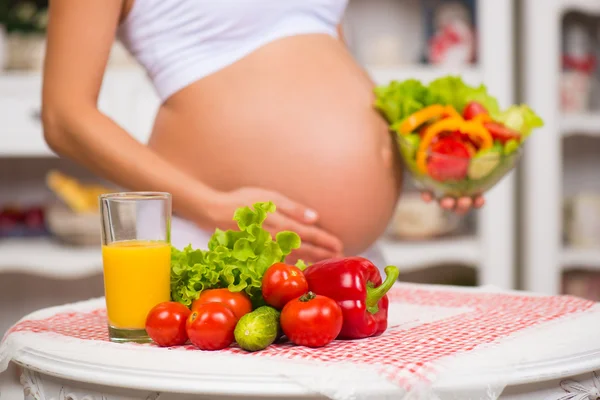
<point>472,109</point>
<point>211,326</point>
<point>238,302</point>
<point>282,283</point>
<point>166,322</point>
<point>311,320</point>
<point>501,133</point>
<point>449,160</point>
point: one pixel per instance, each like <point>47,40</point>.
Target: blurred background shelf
<point>46,257</point>
<point>586,6</point>
<point>580,258</point>
<point>575,124</point>
<point>561,81</point>
<point>411,255</point>
<point>126,96</point>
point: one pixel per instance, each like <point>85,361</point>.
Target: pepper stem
<point>374,294</point>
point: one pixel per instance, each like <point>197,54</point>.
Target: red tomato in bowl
<point>448,160</point>
<point>472,109</point>
<point>211,326</point>
<point>238,302</point>
<point>282,283</point>
<point>311,320</point>
<point>166,322</point>
<point>501,133</point>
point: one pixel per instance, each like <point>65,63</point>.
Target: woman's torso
<point>293,115</point>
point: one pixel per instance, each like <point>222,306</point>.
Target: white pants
<point>184,232</point>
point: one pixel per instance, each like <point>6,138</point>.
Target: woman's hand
<point>289,215</point>
<point>460,206</point>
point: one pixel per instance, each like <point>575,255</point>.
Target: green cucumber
<point>484,163</point>
<point>511,146</point>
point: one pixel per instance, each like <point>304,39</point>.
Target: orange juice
<point>136,278</point>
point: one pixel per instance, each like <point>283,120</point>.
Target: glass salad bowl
<point>456,176</point>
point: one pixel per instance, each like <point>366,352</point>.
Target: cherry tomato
<point>472,109</point>
<point>166,322</point>
<point>282,283</point>
<point>449,160</point>
<point>501,133</point>
<point>211,326</point>
<point>311,320</point>
<point>238,302</point>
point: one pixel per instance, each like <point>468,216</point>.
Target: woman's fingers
<point>295,210</point>
<point>310,254</point>
<point>478,202</point>
<point>463,205</point>
<point>448,203</point>
<point>308,233</point>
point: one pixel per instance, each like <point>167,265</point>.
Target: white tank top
<point>180,41</point>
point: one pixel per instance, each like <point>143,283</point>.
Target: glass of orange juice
<point>136,257</point>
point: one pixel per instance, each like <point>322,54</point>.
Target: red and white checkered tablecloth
<point>428,325</point>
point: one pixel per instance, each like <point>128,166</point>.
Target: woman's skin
<point>292,123</point>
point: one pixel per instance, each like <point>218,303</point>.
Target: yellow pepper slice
<point>483,118</point>
<point>413,121</point>
<point>475,129</point>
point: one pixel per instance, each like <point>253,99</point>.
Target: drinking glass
<point>136,257</point>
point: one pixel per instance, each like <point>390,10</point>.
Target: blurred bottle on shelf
<point>578,64</point>
<point>450,32</point>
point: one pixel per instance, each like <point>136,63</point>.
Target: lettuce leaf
<point>398,100</point>
<point>452,90</point>
<point>520,118</point>
<point>235,259</point>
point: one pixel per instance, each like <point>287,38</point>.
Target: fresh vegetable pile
<point>454,138</point>
<point>241,290</point>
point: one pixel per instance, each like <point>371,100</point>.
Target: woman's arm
<point>80,37</point>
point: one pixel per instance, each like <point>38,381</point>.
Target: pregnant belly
<point>295,116</point>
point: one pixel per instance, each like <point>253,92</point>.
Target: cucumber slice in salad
<point>484,163</point>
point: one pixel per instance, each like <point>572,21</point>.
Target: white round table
<point>537,345</point>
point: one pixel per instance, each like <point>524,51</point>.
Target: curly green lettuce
<point>235,259</point>
<point>398,100</point>
<point>452,90</point>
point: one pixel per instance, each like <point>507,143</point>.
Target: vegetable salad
<point>454,137</point>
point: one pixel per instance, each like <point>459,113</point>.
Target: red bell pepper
<point>356,285</point>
